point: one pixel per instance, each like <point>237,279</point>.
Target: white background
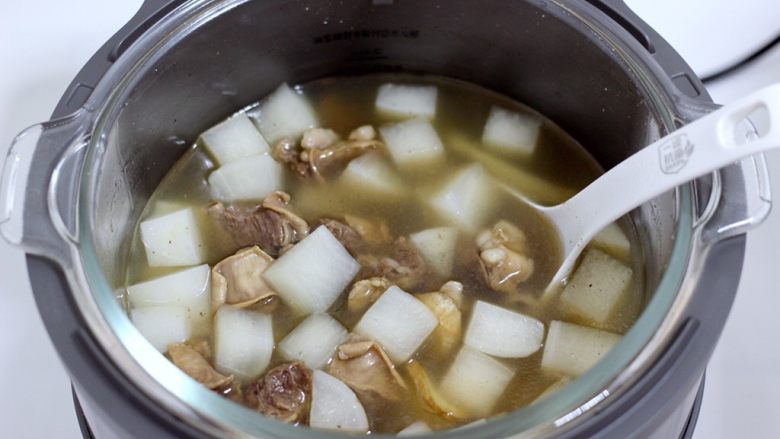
<point>44,43</point>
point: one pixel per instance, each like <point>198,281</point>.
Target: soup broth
<point>556,168</point>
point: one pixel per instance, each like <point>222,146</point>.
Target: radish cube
<point>597,286</point>
<point>511,132</point>
<point>475,381</point>
<point>310,276</point>
<point>573,349</point>
<point>613,241</point>
<point>398,322</point>
<point>243,342</point>
<point>467,199</point>
<point>251,178</point>
<point>162,325</point>
<point>173,240</point>
<point>412,143</point>
<point>407,100</point>
<point>189,288</point>
<point>164,207</point>
<point>414,429</point>
<point>179,288</point>
<point>284,113</point>
<point>502,333</point>
<point>371,171</point>
<point>334,406</point>
<point>437,247</point>
<point>234,139</point>
<point>314,340</point>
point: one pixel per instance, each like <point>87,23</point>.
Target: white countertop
<point>44,43</point>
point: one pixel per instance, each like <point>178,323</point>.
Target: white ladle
<point>696,149</point>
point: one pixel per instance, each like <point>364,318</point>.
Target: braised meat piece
<point>362,365</point>
<point>278,202</point>
<point>454,290</point>
<point>194,363</point>
<point>318,138</point>
<point>286,151</point>
<point>238,280</point>
<point>405,267</point>
<point>364,132</point>
<point>346,235</point>
<point>355,233</point>
<point>433,400</point>
<point>365,292</point>
<point>503,257</point>
<point>321,154</point>
<point>271,226</point>
<point>399,262</point>
<point>283,393</point>
<point>326,162</point>
<point>445,305</point>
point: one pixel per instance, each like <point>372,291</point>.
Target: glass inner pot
<point>220,57</point>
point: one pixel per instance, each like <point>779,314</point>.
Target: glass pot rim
<point>165,384</point>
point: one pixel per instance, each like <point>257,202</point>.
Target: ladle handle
<point>707,144</point>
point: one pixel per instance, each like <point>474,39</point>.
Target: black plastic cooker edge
<point>636,411</point>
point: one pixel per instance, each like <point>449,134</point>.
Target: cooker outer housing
<point>122,410</point>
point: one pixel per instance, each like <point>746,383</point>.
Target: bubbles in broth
<point>375,273</point>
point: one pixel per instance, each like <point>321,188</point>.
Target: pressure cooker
<point>74,187</point>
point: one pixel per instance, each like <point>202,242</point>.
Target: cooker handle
<point>37,190</point>
<point>745,200</point>
<point>740,195</point>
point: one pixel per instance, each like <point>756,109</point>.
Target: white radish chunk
<point>413,143</point>
<point>251,178</point>
<point>511,132</point>
<point>467,199</point>
<point>178,288</point>
<point>372,172</point>
<point>310,276</point>
<point>234,139</point>
<point>596,287</point>
<point>398,322</point>
<point>314,340</point>
<point>502,333</point>
<point>334,406</point>
<point>162,325</point>
<point>613,241</point>
<point>173,240</point>
<point>407,100</point>
<point>189,288</point>
<point>243,342</point>
<point>475,381</point>
<point>414,429</point>
<point>284,113</point>
<point>164,207</point>
<point>437,247</point>
<point>573,349</point>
